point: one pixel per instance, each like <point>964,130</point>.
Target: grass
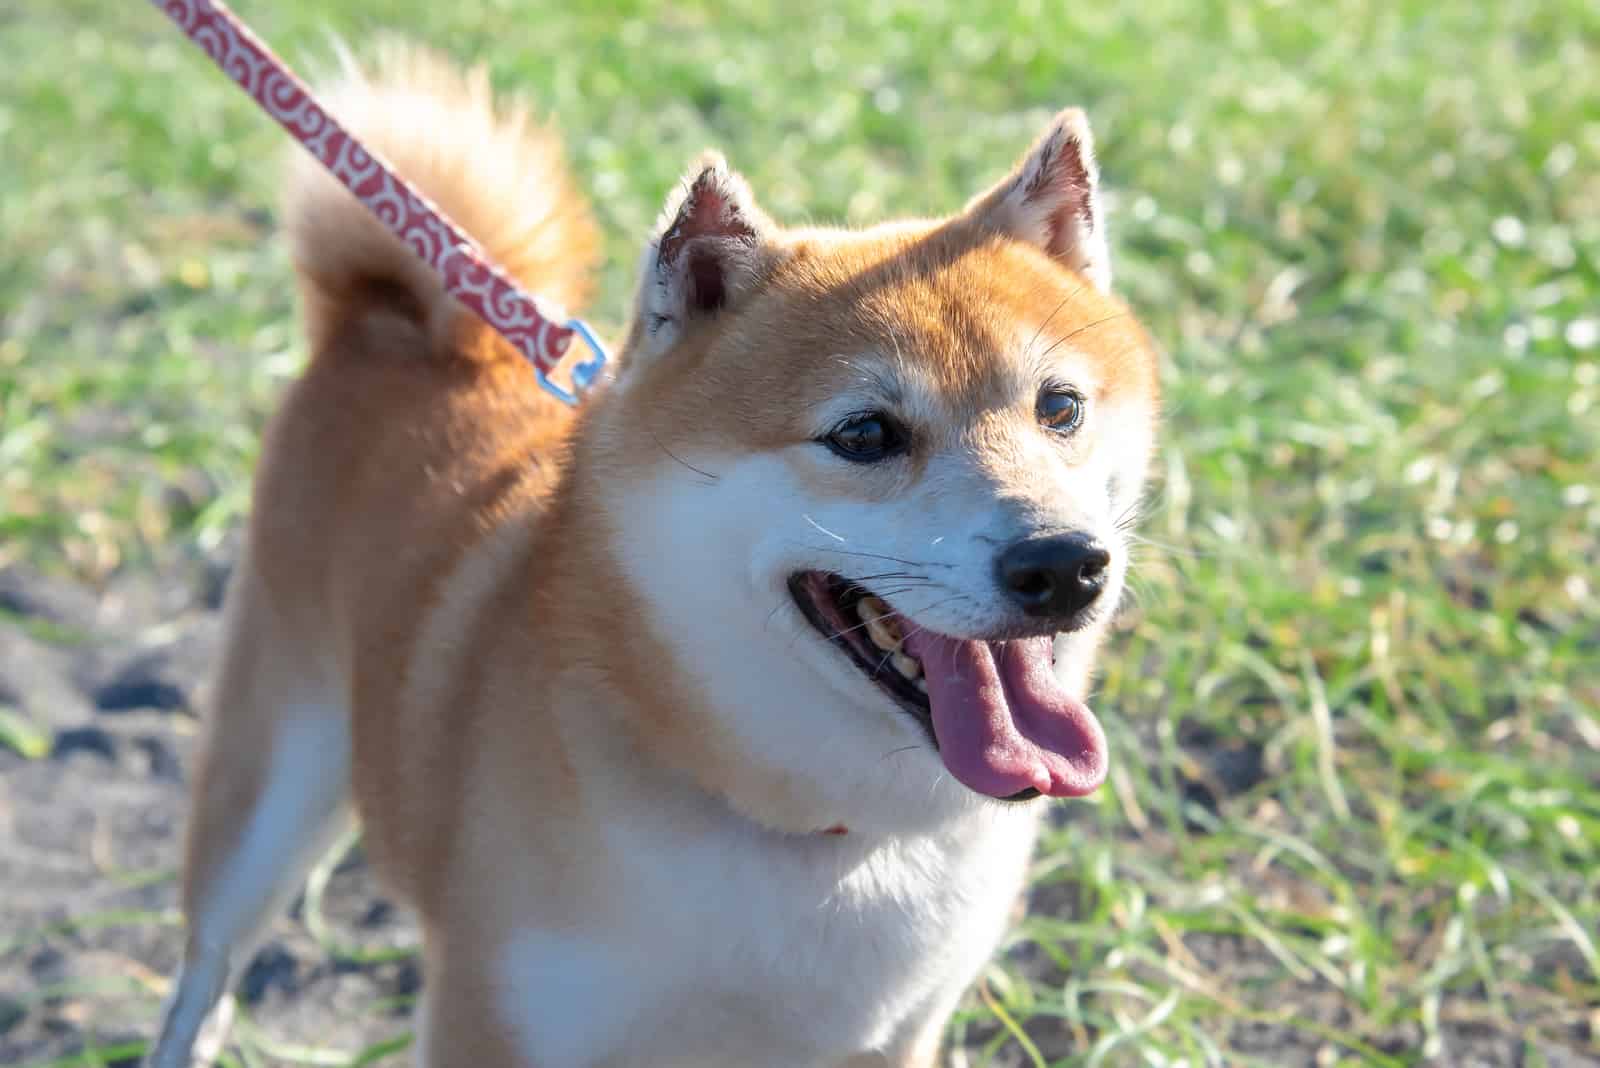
<point>1355,817</point>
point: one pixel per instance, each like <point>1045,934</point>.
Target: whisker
<point>889,575</point>
<point>1097,322</point>
<point>899,586</point>
<point>1086,326</point>
<point>709,478</point>
<point>1133,592</point>
<point>891,614</point>
<point>825,530</point>
<point>1029,346</point>
<point>899,357</point>
<point>1187,552</point>
<point>886,556</point>
<point>864,624</point>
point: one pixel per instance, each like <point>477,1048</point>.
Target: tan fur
<point>434,540</point>
<point>494,171</point>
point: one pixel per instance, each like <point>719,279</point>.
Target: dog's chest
<point>747,951</point>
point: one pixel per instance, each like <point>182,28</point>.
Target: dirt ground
<point>92,833</point>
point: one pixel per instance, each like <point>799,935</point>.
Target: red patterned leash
<point>535,331</point>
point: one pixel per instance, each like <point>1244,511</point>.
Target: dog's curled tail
<point>499,175</point>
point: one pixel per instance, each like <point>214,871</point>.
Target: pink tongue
<point>1004,722</point>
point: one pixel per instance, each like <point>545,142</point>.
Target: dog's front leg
<point>920,1055</point>
<point>917,1047</point>
<point>460,1021</point>
<point>919,1040</point>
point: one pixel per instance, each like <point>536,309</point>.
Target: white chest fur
<point>721,944</point>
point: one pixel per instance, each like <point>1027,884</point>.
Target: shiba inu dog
<point>711,723</point>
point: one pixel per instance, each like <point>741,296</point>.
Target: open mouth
<point>1000,719</point>
<point>869,631</point>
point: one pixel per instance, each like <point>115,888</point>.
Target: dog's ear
<point>708,249</point>
<point>1052,200</point>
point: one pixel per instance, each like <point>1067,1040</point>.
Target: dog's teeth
<point>920,683</point>
<point>883,635</point>
<point>880,623</point>
<point>907,666</point>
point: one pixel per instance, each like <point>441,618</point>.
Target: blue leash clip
<point>584,374</point>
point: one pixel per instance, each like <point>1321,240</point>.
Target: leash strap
<point>536,331</point>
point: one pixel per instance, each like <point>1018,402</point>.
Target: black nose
<point>1056,576</point>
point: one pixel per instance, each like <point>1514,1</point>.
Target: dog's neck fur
<point>622,663</point>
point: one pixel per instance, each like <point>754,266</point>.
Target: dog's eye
<point>1060,409</point>
<point>865,439</point>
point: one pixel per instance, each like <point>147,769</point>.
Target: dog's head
<point>860,482</point>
